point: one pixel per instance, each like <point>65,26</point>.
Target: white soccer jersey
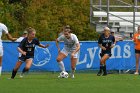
<point>69,44</point>
<point>4,29</point>
<point>20,39</point>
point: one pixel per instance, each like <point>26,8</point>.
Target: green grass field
<point>82,83</point>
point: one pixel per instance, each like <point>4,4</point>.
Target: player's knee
<point>58,59</point>
<point>15,69</point>
<point>102,61</point>
<point>27,68</point>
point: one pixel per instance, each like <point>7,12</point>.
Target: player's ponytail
<point>30,30</point>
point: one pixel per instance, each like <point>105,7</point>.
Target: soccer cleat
<point>99,73</point>
<point>10,78</point>
<point>104,74</point>
<point>136,73</point>
<point>59,76</point>
<point>21,75</point>
<point>72,76</point>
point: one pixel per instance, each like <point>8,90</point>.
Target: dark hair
<point>112,32</point>
<point>67,30</point>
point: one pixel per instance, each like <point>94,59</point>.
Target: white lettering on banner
<point>92,52</point>
<point>92,55</point>
<point>84,60</point>
<point>118,48</point>
<point>127,52</point>
<point>99,53</point>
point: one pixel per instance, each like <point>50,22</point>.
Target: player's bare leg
<point>27,66</point>
<point>103,62</point>
<point>103,65</point>
<point>59,59</point>
<point>137,64</point>
<point>14,72</point>
<point>73,65</point>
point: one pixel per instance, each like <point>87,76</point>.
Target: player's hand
<point>47,45</point>
<point>103,48</point>
<point>24,53</point>
<point>112,45</point>
<point>135,44</point>
<point>72,55</point>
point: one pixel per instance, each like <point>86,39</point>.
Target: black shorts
<point>24,58</point>
<point>103,53</point>
<point>137,51</point>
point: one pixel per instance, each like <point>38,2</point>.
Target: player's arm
<point>100,43</point>
<point>43,46</point>
<point>60,38</point>
<point>77,48</point>
<point>102,47</point>
<point>40,45</point>
<point>5,30</point>
<point>21,51</point>
<point>57,44</point>
<point>10,37</point>
<point>134,39</point>
<point>21,46</point>
<point>113,44</point>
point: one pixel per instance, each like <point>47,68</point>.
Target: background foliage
<point>48,17</point>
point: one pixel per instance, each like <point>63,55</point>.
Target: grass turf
<point>83,83</point>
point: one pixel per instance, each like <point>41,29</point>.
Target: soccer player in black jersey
<point>105,42</point>
<point>26,48</point>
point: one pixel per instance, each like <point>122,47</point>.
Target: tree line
<point>48,17</point>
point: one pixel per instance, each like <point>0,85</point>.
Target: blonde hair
<point>30,30</point>
<point>107,29</point>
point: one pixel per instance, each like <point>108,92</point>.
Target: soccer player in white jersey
<point>4,29</point>
<point>71,46</point>
<point>25,33</point>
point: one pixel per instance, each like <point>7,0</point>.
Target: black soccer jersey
<point>106,42</point>
<point>29,47</point>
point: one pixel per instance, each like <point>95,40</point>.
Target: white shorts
<point>1,51</point>
<point>66,52</point>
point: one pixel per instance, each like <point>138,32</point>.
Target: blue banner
<point>123,57</point>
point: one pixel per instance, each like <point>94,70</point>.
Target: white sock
<point>0,70</point>
<point>61,65</point>
<point>73,71</point>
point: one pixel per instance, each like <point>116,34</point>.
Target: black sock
<point>25,70</point>
<point>13,73</point>
<point>104,69</point>
<point>101,68</point>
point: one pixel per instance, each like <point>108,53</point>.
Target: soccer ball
<point>64,74</point>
